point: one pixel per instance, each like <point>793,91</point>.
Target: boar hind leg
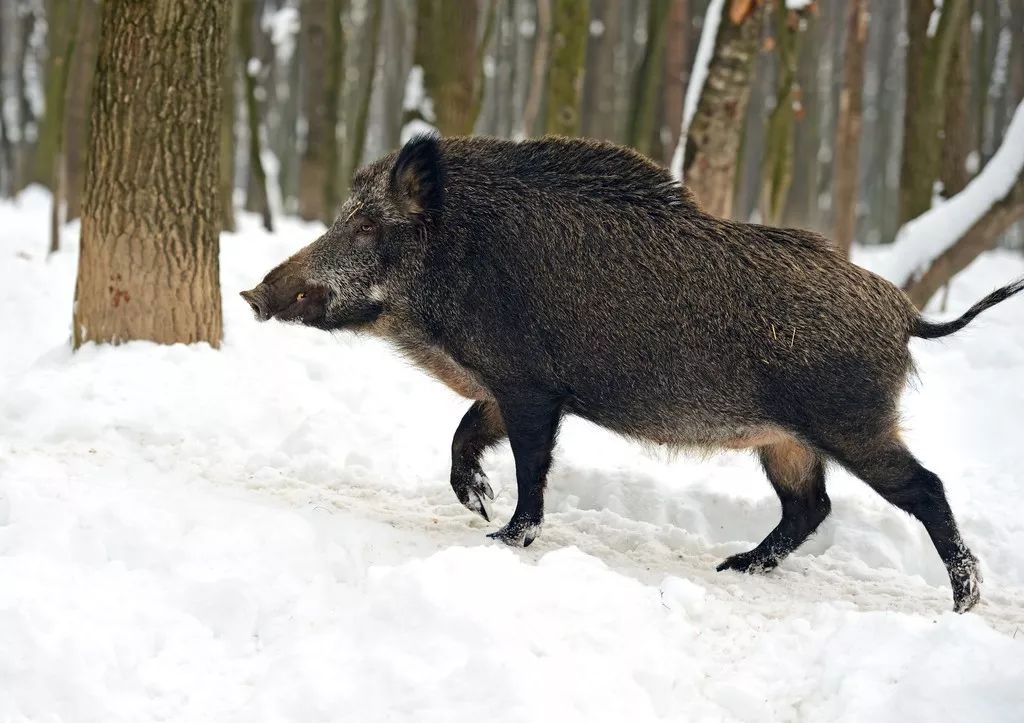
<point>889,468</point>
<point>480,428</point>
<point>532,425</point>
<point>798,475</point>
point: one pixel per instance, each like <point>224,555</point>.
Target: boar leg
<point>479,429</point>
<point>798,475</point>
<point>889,468</point>
<point>532,425</point>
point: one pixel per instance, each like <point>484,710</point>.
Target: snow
<point>698,76</point>
<point>927,236</point>
<point>265,532</point>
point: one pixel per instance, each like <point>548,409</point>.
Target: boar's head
<point>338,281</point>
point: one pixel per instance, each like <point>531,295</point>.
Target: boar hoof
<point>965,578</point>
<point>471,488</point>
<point>517,533</point>
<point>753,562</point>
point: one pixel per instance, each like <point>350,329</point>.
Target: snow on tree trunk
<point>148,267</point>
<point>933,247</point>
<point>713,137</point>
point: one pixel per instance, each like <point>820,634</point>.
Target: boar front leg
<point>479,429</point>
<point>532,424</point>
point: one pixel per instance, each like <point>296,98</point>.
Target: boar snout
<point>258,301</point>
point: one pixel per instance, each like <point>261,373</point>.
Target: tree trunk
<point>928,62</point>
<point>59,23</point>
<point>848,126</point>
<point>565,72</point>
<point>715,134</point>
<point>650,76</point>
<point>258,199</point>
<point>321,30</point>
<point>78,100</point>
<point>227,125</point>
<point>448,51</point>
<point>535,93</point>
<point>148,267</point>
<point>777,162</point>
<point>956,136</point>
<point>677,76</point>
<point>370,35</point>
<point>57,111</point>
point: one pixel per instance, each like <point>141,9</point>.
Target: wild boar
<point>563,276</point>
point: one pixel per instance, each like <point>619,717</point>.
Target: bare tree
<point>848,125</point>
<point>537,67</point>
<point>928,61</point>
<point>650,77</point>
<point>677,75</point>
<point>258,199</point>
<point>565,71</point>
<point>715,134</point>
<point>148,267</point>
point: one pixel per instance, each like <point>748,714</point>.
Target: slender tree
<point>148,267</point>
<point>59,23</point>
<point>929,57</point>
<point>848,125</point>
<point>370,37</point>
<point>229,78</point>
<point>77,102</point>
<point>565,72</point>
<point>258,198</point>
<point>956,135</point>
<point>777,161</point>
<point>650,77</point>
<point>714,136</point>
<point>541,51</point>
<point>677,75</point>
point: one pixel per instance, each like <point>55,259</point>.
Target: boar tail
<point>930,330</point>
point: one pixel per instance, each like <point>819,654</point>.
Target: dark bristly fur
<point>561,276</point>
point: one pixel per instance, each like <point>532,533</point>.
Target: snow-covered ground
<point>266,533</point>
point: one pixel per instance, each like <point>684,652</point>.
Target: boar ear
<point>417,178</point>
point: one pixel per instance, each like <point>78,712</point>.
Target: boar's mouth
<point>307,305</point>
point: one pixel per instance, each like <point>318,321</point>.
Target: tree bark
<point>59,187</point>
<point>715,134</point>
<point>320,31</point>
<point>535,93</point>
<point>448,51</point>
<point>148,267</point>
<point>956,135</point>
<point>370,34</point>
<point>229,76</point>
<point>677,76</point>
<point>650,76</point>
<point>565,72</point>
<point>848,126</point>
<point>78,100</point>
<point>928,62</point>
<point>258,199</point>
<point>777,162</point>
<point>59,22</point>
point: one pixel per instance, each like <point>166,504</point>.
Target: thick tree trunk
<point>715,134</point>
<point>928,62</point>
<point>565,72</point>
<point>848,126</point>
<point>450,55</point>
<point>257,199</point>
<point>677,75</point>
<point>650,76</point>
<point>149,259</point>
<point>77,103</point>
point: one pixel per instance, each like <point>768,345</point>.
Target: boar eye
<point>366,228</point>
